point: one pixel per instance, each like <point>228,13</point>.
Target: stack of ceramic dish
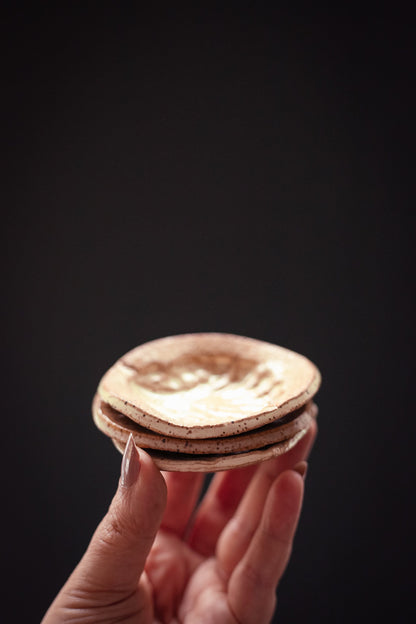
<point>208,402</point>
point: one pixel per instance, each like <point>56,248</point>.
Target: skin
<point>155,559</point>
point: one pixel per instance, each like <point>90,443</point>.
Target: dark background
<point>216,170</point>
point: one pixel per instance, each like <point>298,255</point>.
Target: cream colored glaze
<point>208,386</point>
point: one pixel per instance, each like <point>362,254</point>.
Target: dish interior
<point>208,387</point>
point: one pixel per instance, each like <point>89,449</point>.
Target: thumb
<point>116,555</point>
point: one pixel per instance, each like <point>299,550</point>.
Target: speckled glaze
<point>208,402</point>
<point>198,386</point>
<point>118,427</point>
<point>182,462</point>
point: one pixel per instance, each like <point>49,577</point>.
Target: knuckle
<point>257,578</point>
<point>114,529</point>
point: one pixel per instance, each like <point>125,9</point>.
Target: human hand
<point>154,560</point>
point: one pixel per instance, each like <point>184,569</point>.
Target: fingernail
<point>130,466</point>
<point>301,468</point>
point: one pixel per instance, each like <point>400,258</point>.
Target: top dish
<point>208,385</point>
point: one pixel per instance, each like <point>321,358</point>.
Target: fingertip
<point>286,495</point>
<point>301,468</point>
<point>310,437</point>
<point>292,479</point>
<point>314,428</point>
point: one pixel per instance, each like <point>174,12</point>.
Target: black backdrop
<point>240,171</point>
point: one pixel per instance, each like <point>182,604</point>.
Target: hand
<point>152,561</point>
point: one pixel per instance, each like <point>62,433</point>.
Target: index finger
<point>218,506</point>
<point>183,492</point>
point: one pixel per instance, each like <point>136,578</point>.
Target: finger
<point>115,558</point>
<point>239,531</point>
<point>217,507</point>
<point>252,585</point>
<point>183,492</point>
<point>227,490</point>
